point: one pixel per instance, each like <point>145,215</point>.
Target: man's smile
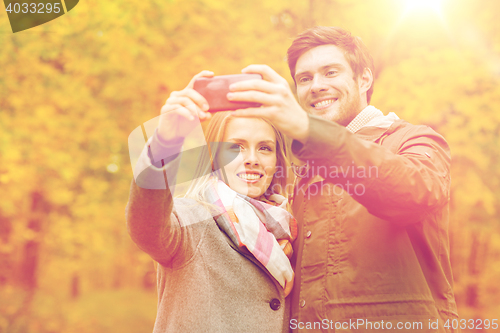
<point>319,105</point>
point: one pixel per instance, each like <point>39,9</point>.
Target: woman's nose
<point>250,157</point>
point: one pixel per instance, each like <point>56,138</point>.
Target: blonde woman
<point>222,250</point>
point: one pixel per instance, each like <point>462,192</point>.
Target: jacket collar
<point>370,124</point>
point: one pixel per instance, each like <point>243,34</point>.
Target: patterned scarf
<point>264,229</point>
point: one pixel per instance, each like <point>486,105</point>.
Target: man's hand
<point>278,103</point>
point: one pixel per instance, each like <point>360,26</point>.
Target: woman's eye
<point>235,147</point>
<point>266,148</point>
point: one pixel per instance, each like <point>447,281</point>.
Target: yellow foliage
<point>73,89</point>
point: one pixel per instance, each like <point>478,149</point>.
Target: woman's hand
<point>183,110</point>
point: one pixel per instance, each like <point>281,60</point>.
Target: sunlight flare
<point>423,5</point>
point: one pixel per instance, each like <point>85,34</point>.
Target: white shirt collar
<point>363,118</point>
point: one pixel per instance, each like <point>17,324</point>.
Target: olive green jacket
<point>372,245</point>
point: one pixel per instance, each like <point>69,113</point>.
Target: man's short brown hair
<point>355,51</point>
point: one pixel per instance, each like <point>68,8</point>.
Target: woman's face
<point>250,157</point>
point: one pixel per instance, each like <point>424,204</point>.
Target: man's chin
<point>329,113</point>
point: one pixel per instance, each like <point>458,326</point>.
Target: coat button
<point>308,234</point>
<point>302,303</point>
<point>275,304</point>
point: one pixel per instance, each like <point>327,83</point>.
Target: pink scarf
<point>264,229</point>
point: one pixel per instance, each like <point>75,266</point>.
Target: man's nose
<point>318,84</point>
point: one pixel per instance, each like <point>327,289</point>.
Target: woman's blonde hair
<point>207,165</point>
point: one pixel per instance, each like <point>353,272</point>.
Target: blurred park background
<point>72,90</point>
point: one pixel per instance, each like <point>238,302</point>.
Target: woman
<point>221,269</point>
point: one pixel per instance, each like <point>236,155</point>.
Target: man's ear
<point>365,80</point>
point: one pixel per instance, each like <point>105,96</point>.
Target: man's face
<point>326,85</point>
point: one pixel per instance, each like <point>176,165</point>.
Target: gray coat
<point>204,284</point>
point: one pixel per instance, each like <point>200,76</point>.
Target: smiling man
<point>372,197</point>
<point>328,87</point>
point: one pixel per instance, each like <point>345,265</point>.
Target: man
<point>372,199</point>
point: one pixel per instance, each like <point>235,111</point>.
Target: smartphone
<point>215,89</point>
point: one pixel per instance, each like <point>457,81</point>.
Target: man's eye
<point>304,79</point>
<point>330,73</point>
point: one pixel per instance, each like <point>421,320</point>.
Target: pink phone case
<point>216,88</point>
